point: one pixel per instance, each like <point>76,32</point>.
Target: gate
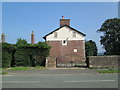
<point>50,62</point>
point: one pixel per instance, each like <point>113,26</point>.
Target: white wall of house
<point>63,34</point>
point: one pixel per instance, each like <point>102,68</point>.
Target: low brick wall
<point>50,62</point>
<point>103,61</point>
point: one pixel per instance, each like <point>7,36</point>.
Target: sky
<point>19,19</point>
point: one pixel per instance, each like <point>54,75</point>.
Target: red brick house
<point>67,44</point>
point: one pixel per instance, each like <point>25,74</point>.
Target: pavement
<point>59,78</point>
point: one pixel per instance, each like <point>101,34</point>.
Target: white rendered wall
<point>64,33</point>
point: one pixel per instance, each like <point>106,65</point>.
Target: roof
<point>61,27</point>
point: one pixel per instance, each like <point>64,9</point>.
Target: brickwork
<point>32,38</point>
<point>65,53</point>
<point>64,22</point>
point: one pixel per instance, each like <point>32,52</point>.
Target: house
<point>67,44</point>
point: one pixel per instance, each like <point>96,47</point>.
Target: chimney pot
<point>62,17</point>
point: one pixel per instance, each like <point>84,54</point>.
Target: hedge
<point>22,58</point>
<point>24,54</point>
<point>6,58</point>
<point>6,54</point>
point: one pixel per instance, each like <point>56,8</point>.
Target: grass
<point>99,67</point>
<point>24,68</point>
<point>92,67</point>
<point>4,73</point>
<point>39,67</point>
<point>19,68</point>
<point>108,71</point>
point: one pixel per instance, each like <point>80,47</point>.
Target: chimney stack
<point>62,17</point>
<point>64,22</point>
<point>32,38</point>
<point>3,37</point>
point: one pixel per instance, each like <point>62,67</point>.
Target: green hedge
<point>6,54</point>
<point>22,58</point>
<point>6,58</point>
<point>24,54</point>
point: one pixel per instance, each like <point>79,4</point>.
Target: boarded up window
<point>74,50</point>
<point>74,34</point>
<point>55,34</point>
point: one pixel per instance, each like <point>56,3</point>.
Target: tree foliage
<point>24,54</point>
<point>7,50</point>
<point>90,48</point>
<point>111,36</point>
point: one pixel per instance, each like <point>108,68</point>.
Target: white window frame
<point>55,34</point>
<point>74,34</point>
<point>64,42</point>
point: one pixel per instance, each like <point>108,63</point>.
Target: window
<point>74,34</point>
<point>75,50</point>
<point>64,42</point>
<point>55,34</point>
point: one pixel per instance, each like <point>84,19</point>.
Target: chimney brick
<point>64,22</point>
<point>3,37</point>
<point>32,38</point>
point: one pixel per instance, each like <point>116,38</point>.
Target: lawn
<point>24,68</point>
<point>109,71</point>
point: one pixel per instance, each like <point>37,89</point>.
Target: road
<point>56,78</point>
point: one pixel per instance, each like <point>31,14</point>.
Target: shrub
<point>6,54</point>
<point>6,59</point>
<point>22,58</point>
<point>24,54</point>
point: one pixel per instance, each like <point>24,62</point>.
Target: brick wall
<point>104,61</point>
<point>66,54</point>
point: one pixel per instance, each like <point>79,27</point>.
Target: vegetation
<point>6,54</point>
<point>109,71</point>
<point>25,68</point>
<point>90,48</point>
<point>19,68</point>
<point>99,67</point>
<point>3,73</point>
<point>24,54</point>
<point>111,36</point>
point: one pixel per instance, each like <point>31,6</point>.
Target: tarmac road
<point>59,78</point>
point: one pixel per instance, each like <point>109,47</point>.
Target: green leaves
<point>90,48</point>
<point>111,36</point>
<point>24,54</point>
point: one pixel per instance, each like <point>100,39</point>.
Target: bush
<point>22,58</point>
<point>6,54</point>
<point>6,59</point>
<point>24,54</point>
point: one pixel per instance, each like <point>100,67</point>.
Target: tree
<point>21,43</point>
<point>111,36</point>
<point>90,48</point>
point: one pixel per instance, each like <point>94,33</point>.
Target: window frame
<point>55,34</point>
<point>74,34</point>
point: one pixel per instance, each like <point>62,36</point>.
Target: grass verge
<point>108,71</point>
<point>19,68</point>
<point>99,67</point>
<point>3,73</point>
<point>24,68</point>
